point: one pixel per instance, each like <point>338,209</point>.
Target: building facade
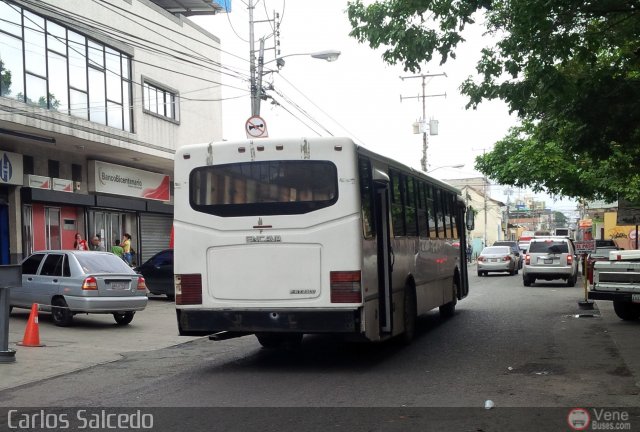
<point>95,97</point>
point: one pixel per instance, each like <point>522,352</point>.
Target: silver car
<point>550,258</point>
<point>67,282</point>
<point>498,259</point>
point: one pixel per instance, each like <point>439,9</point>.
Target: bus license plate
<point>635,298</point>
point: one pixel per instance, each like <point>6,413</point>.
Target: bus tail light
<point>188,289</point>
<point>90,284</point>
<point>346,287</point>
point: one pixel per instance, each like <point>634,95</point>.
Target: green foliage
<point>570,70</point>
<point>5,80</point>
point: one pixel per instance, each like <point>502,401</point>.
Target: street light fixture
<point>446,166</point>
<point>256,76</point>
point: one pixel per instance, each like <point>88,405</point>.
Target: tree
<point>560,219</point>
<point>570,71</point>
<point>5,80</point>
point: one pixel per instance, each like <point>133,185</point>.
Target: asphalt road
<point>529,350</point>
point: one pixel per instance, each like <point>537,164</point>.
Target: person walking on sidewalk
<point>126,247</point>
<point>469,252</point>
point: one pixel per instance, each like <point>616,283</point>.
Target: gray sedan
<point>497,259</point>
<point>67,282</point>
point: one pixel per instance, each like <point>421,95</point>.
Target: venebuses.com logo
<point>581,419</point>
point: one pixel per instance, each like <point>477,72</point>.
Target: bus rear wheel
<point>279,340</point>
<point>447,310</point>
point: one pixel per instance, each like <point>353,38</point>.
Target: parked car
<point>68,282</point>
<point>514,247</point>
<point>549,259</point>
<point>497,259</point>
<point>158,273</point>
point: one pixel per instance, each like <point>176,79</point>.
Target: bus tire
<point>447,310</point>
<point>626,310</point>
<point>279,340</point>
<point>410,315</point>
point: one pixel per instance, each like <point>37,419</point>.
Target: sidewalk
<point>91,340</point>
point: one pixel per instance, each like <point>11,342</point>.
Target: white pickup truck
<point>618,279</point>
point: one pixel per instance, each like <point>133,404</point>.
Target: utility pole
<point>425,143</point>
<point>256,72</point>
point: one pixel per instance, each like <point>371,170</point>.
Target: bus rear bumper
<point>206,322</point>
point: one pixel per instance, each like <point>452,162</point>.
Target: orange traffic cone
<point>32,333</point>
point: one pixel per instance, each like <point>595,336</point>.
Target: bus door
<point>385,255</point>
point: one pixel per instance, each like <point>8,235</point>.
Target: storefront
<point>121,200</point>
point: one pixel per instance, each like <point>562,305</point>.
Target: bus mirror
<point>380,176</point>
<point>471,219</point>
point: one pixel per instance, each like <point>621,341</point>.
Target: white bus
<point>285,237</point>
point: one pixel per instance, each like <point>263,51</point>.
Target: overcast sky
<point>358,95</point>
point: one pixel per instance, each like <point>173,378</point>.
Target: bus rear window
<point>263,188</point>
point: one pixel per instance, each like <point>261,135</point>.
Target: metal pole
<point>258,96</point>
<point>425,142</point>
<point>252,61</point>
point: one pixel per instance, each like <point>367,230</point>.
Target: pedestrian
<point>80,243</point>
<point>117,249</point>
<point>126,247</point>
<point>469,252</point>
<point>96,244</point>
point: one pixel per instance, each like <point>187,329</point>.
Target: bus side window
<point>431,209</point>
<point>397,207</point>
<point>423,222</point>
<point>410,207</point>
<point>454,216</point>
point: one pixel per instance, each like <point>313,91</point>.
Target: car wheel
<point>60,313</point>
<point>626,311</point>
<point>447,310</point>
<point>526,280</point>
<point>123,318</point>
<point>410,314</point>
<point>279,340</point>
<point>479,273</point>
<point>571,282</point>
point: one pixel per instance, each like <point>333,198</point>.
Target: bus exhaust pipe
<point>224,335</point>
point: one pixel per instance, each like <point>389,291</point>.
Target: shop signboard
<point>62,185</point>
<point>37,182</point>
<point>126,181</point>
<point>11,171</point>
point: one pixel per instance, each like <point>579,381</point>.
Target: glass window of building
<point>47,64</point>
<point>160,101</point>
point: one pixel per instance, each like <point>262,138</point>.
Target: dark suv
<point>514,248</point>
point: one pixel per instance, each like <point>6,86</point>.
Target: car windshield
<point>102,263</point>
<point>495,250</point>
<point>549,246</point>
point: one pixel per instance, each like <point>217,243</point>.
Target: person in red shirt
<point>80,243</point>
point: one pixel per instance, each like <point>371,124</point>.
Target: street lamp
<point>446,166</point>
<point>256,76</point>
